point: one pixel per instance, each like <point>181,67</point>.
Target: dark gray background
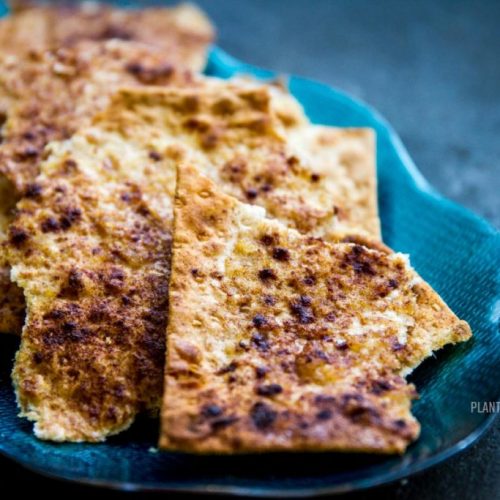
<point>433,69</point>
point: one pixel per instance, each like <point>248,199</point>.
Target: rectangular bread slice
<point>281,342</point>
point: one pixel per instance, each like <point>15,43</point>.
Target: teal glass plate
<point>456,251</point>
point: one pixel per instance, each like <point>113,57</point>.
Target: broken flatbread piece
<point>323,186</point>
<point>91,251</point>
<point>282,342</point>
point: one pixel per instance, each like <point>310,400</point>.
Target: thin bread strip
<point>282,342</point>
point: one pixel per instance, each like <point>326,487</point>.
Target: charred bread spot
<point>155,156</point>
<point>359,259</point>
<point>50,224</point>
<point>261,371</point>
<point>252,193</point>
<point>263,416</point>
<point>380,386</point>
<point>302,312</point>
<point>211,411</point>
<point>69,165</point>
<point>267,240</point>
<point>260,341</point>
<point>235,171</point>
<point>259,321</point>
<point>325,414</point>
<point>267,274</point>
<point>74,285</point>
<point>17,236</point>
<point>269,300</point>
<point>70,216</point>
<point>33,190</point>
<point>269,390</point>
<point>309,280</point>
<point>330,317</point>
<point>231,367</point>
<point>341,345</point>
<point>281,254</point>
<point>150,74</point>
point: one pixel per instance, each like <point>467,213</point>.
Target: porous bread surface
<point>11,297</point>
<point>279,341</point>
<point>90,247</point>
<point>53,93</point>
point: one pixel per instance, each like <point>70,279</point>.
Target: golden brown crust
<point>90,248</point>
<point>278,341</point>
<point>183,32</point>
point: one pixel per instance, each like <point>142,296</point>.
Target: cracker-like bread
<point>183,32</point>
<point>124,144</point>
<point>234,134</point>
<point>279,341</point>
<point>90,248</point>
<point>48,95</point>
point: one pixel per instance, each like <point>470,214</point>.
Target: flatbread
<point>234,135</point>
<point>282,342</point>
<point>48,95</point>
<point>53,93</point>
<point>126,148</point>
<point>91,251</point>
<point>183,33</point>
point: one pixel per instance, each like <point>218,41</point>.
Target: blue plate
<point>457,252</point>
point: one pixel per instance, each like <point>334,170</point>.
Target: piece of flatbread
<point>183,33</point>
<point>50,95</point>
<point>53,93</point>
<point>322,185</point>
<point>90,250</point>
<point>279,341</point>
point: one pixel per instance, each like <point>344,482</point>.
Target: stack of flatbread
<point>181,244</point>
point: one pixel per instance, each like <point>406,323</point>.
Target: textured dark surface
<point>432,70</point>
